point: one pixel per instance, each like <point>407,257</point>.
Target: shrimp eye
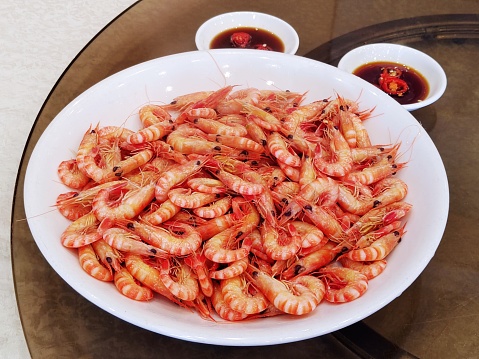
<point>284,200</point>
<point>341,108</point>
<point>396,233</point>
<point>298,269</point>
<point>244,152</point>
<point>290,137</point>
<point>172,102</point>
<point>153,250</point>
<point>195,120</point>
<point>264,142</point>
<point>394,166</point>
<point>255,274</point>
<point>130,226</point>
<point>198,163</point>
<point>254,163</point>
<point>308,207</point>
<point>217,148</point>
<point>115,168</point>
<point>376,203</point>
<point>381,149</point>
<point>109,260</point>
<point>287,213</point>
<point>239,234</point>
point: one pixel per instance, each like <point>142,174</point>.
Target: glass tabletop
<point>437,316</point>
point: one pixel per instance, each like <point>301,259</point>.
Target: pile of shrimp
<point>246,203</point>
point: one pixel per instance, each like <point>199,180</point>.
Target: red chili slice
<point>394,86</point>
<point>389,72</point>
<point>240,39</point>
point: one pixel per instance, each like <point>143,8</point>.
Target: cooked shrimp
<point>215,209</point>
<point>125,241</point>
<point>110,257</point>
<point>339,162</point>
<point>278,147</point>
<point>206,185</point>
<point>147,275</point>
<point>197,262</point>
<point>237,295</point>
<point>174,176</point>
<point>90,264</point>
<point>127,286</point>
<point>223,247</point>
<point>278,243</point>
<point>343,284</point>
<point>223,310</point>
<point>233,269</point>
<point>71,176</point>
<point>72,206</point>
<point>152,114</point>
<point>379,249</point>
<point>161,213</point>
<point>81,232</point>
<point>311,262</point>
<point>298,297</point>
<point>185,198</point>
<point>179,280</point>
<point>178,239</point>
<point>151,133</point>
<point>112,203</point>
<point>369,269</point>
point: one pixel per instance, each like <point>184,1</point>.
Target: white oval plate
<point>116,100</point>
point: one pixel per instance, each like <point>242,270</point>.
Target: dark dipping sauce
<point>418,87</point>
<point>259,37</point>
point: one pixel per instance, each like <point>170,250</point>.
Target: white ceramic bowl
<point>116,100</point>
<point>404,55</point>
<point>216,25</point>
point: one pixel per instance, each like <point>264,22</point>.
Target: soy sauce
<point>259,37</point>
<point>418,87</point>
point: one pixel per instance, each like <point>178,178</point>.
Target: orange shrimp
<point>389,190</point>
<point>215,226</point>
<point>125,241</point>
<point>201,112</point>
<point>185,198</point>
<point>215,209</point>
<point>151,133</point>
<point>152,114</point>
<point>176,238</point>
<point>300,296</point>
<point>262,118</point>
<point>90,264</point>
<point>311,262</point>
<point>197,262</point>
<point>310,235</point>
<point>343,284</point>
<point>233,269</point>
<point>161,213</point>
<point>174,176</point>
<point>340,161</point>
<point>221,247</point>
<point>379,249</point>
<point>324,220</point>
<point>237,142</point>
<point>223,310</point>
<point>88,142</point>
<point>71,176</point>
<point>206,185</point>
<point>127,285</point>
<point>237,295</point>
<point>148,276</point>
<point>239,185</point>
<point>112,203</point>
<point>377,218</point>
<point>81,232</point>
<point>369,269</point>
<point>279,244</point>
<point>179,281</point>
<point>72,206</point>
<point>386,167</point>
<point>279,148</point>
<point>110,257</point>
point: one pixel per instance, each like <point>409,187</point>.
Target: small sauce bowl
<point>401,55</point>
<point>213,27</point>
